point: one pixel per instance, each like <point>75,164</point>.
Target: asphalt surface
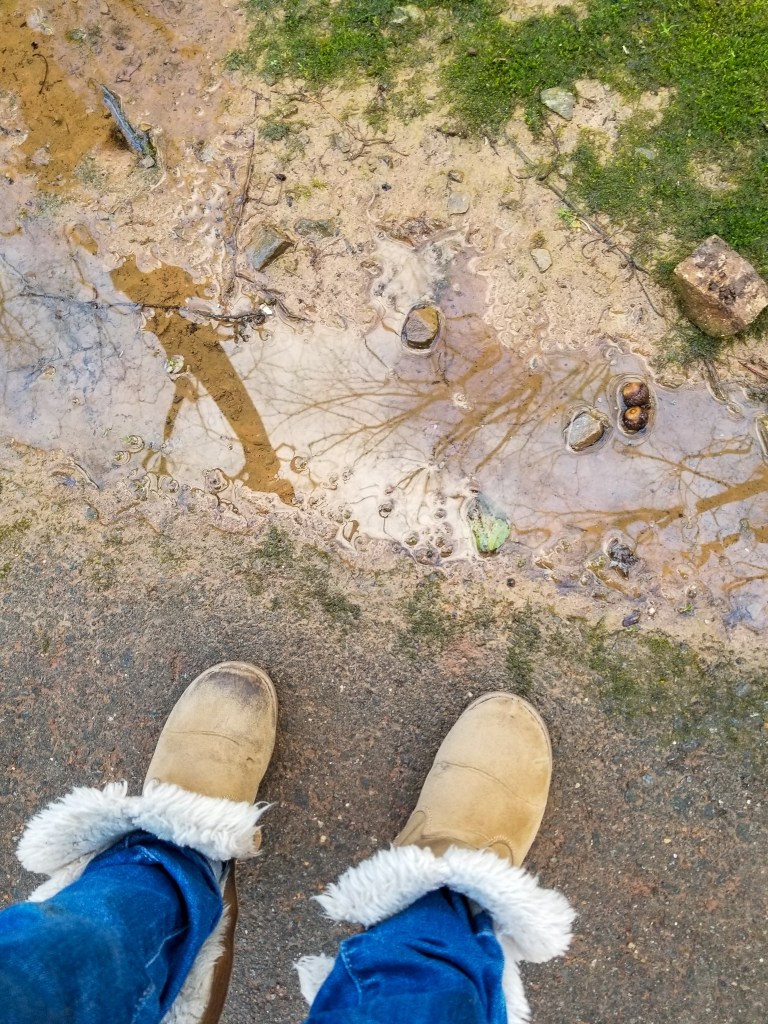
<point>663,856</point>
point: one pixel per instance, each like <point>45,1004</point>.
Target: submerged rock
<point>636,392</point>
<point>621,556</point>
<point>721,292</point>
<point>635,418</point>
<point>560,101</point>
<point>267,244</point>
<point>422,328</point>
<point>585,429</point>
<point>488,524</point>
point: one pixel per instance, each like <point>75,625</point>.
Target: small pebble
<point>632,619</point>
<point>458,203</point>
<point>542,259</point>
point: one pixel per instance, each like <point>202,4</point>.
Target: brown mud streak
<point>56,117</point>
<point>200,345</point>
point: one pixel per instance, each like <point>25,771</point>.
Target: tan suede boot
<point>217,742</point>
<point>488,786</point>
<point>219,737</point>
<point>199,793</point>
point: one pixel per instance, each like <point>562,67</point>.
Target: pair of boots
<point>477,815</point>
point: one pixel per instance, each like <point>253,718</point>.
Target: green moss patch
<point>704,164</point>
<point>299,575</point>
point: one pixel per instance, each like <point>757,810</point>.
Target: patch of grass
<point>712,56</point>
<point>322,41</point>
<point>89,173</point>
<point>49,203</point>
<point>304,575</point>
<point>524,639</point>
<point>651,677</point>
<point>13,530</point>
<point>275,130</point>
<point>429,624</point>
<point>103,572</point>
<point>687,345</point>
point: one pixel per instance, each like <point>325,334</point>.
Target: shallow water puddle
<point>385,442</point>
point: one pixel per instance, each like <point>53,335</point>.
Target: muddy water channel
<point>137,374</point>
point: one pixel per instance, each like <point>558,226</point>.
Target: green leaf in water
<point>488,523</point>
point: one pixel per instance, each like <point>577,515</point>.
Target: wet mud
<point>391,444</point>
<point>137,336</point>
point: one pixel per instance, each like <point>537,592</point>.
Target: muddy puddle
<point>139,374</point>
<point>134,336</point>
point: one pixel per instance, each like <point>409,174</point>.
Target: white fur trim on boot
<point>530,922</point>
<point>65,836</point>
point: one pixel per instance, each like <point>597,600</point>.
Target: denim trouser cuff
<point>530,923</point>
<point>64,838</point>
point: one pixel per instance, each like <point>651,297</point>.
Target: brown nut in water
<point>636,393</point>
<point>635,418</point>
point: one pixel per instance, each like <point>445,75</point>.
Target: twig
<point>762,374</point>
<point>255,316</point>
<point>44,59</point>
<point>244,197</point>
<point>607,239</point>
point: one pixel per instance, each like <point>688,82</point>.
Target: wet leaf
<point>488,523</point>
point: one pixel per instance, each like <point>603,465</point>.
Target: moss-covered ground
<point>699,170</point>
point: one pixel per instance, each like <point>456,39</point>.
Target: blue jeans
<point>116,945</point>
<point>433,963</point>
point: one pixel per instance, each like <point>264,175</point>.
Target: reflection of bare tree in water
<point>481,410</point>
<point>200,346</point>
<point>62,331</point>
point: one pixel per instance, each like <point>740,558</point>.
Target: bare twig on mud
<point>235,240</point>
<point>762,373</point>
<point>44,59</point>
<point>72,463</point>
<point>713,379</point>
<point>364,142</point>
<point>273,298</point>
<point>635,269</point>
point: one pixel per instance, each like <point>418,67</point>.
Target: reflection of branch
<point>253,317</point>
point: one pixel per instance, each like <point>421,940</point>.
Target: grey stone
<point>560,101</point>
<point>721,292</point>
<point>455,175</point>
<point>458,203</point>
<point>647,153</point>
<point>318,228</point>
<point>422,327</point>
<point>542,259</point>
<point>341,142</point>
<point>585,429</point>
<point>267,244</point>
